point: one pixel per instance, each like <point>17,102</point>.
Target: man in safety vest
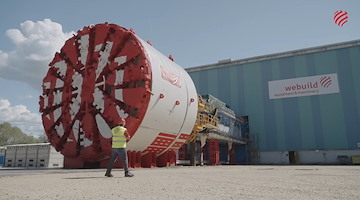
<point>119,139</point>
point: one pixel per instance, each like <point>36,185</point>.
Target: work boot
<point>128,174</point>
<point>108,175</point>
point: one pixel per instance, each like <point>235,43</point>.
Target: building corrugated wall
<point>330,121</point>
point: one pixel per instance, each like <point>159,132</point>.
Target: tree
<point>43,138</point>
<point>12,135</point>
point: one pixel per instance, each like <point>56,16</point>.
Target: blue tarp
<point>2,160</point>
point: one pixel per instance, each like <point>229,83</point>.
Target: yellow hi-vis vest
<point>118,139</point>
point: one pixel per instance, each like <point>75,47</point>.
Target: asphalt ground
<point>183,182</point>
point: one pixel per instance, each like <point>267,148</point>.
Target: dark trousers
<point>118,153</point>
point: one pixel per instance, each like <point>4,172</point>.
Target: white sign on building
<point>304,86</point>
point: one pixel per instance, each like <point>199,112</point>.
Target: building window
<point>30,165</point>
<point>42,160</point>
<point>31,160</point>
<point>9,165</point>
<point>55,165</point>
<point>9,160</point>
<point>19,165</point>
<point>20,160</point>
<point>41,165</point>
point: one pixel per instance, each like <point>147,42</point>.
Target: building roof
<point>228,62</point>
<point>22,145</point>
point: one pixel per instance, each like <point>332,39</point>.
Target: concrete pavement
<point>181,182</point>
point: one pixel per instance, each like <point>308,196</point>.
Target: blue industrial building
<point>303,105</point>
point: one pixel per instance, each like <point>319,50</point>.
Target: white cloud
<point>21,117</point>
<point>35,46</point>
<point>27,97</point>
<point>3,59</point>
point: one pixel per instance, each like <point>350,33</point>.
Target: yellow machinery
<point>204,119</point>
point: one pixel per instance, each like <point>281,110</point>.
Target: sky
<point>194,32</point>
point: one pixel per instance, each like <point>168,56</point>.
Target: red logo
<point>325,81</point>
<point>340,17</point>
<point>169,76</point>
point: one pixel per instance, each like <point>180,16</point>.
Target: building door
<point>292,158</point>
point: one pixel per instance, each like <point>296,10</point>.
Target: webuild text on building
<point>304,86</point>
